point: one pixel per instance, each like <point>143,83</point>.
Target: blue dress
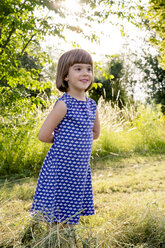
<point>64,188</point>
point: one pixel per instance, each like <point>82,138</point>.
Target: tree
<point>21,59</point>
<point>120,8</point>
<point>153,77</point>
<point>154,21</point>
<point>23,87</point>
<point>113,87</point>
<point>150,15</point>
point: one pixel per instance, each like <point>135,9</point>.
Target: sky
<point>110,42</point>
<point>110,37</point>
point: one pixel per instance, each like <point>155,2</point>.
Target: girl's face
<point>79,77</point>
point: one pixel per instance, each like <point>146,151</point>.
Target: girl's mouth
<point>84,81</point>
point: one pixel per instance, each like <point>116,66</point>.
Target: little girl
<point>64,189</point>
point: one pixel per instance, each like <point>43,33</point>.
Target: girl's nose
<point>85,72</point>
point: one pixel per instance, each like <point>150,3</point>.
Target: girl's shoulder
<point>91,102</point>
<point>65,98</point>
<point>61,98</point>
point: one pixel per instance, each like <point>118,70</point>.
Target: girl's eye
<point>89,69</point>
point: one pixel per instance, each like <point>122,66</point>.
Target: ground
<point>129,203</point>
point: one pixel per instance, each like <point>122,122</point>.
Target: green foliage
<point>155,21</point>
<point>121,9</point>
<point>132,129</point>
<point>110,82</point>
<point>153,78</point>
<point>21,60</point>
<point>23,88</point>
<point>20,150</point>
<point>125,131</point>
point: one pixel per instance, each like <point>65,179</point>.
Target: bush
<point>132,129</point>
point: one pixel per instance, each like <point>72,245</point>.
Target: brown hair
<point>75,56</point>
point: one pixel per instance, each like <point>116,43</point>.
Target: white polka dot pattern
<point>64,189</point>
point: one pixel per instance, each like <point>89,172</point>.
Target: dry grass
<point>133,129</point>
<point>128,182</point>
<point>129,204</point>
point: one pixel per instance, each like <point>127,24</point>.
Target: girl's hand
<point>51,122</point>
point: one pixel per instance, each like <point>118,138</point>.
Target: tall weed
<point>130,129</point>
<point>21,152</point>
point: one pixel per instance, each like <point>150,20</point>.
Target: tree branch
<point>11,31</point>
<point>8,39</point>
<point>1,80</point>
<point>27,44</point>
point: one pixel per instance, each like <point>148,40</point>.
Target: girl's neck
<point>77,95</point>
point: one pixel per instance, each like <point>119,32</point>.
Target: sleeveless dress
<point>64,188</point>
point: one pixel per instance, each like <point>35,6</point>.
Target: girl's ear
<point>66,78</point>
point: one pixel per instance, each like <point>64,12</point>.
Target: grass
<point>129,204</point>
<point>133,129</point>
<point>128,182</point>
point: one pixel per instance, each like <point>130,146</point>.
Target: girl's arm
<point>51,122</point>
<point>96,127</point>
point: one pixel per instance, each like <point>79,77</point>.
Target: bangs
<point>80,56</point>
